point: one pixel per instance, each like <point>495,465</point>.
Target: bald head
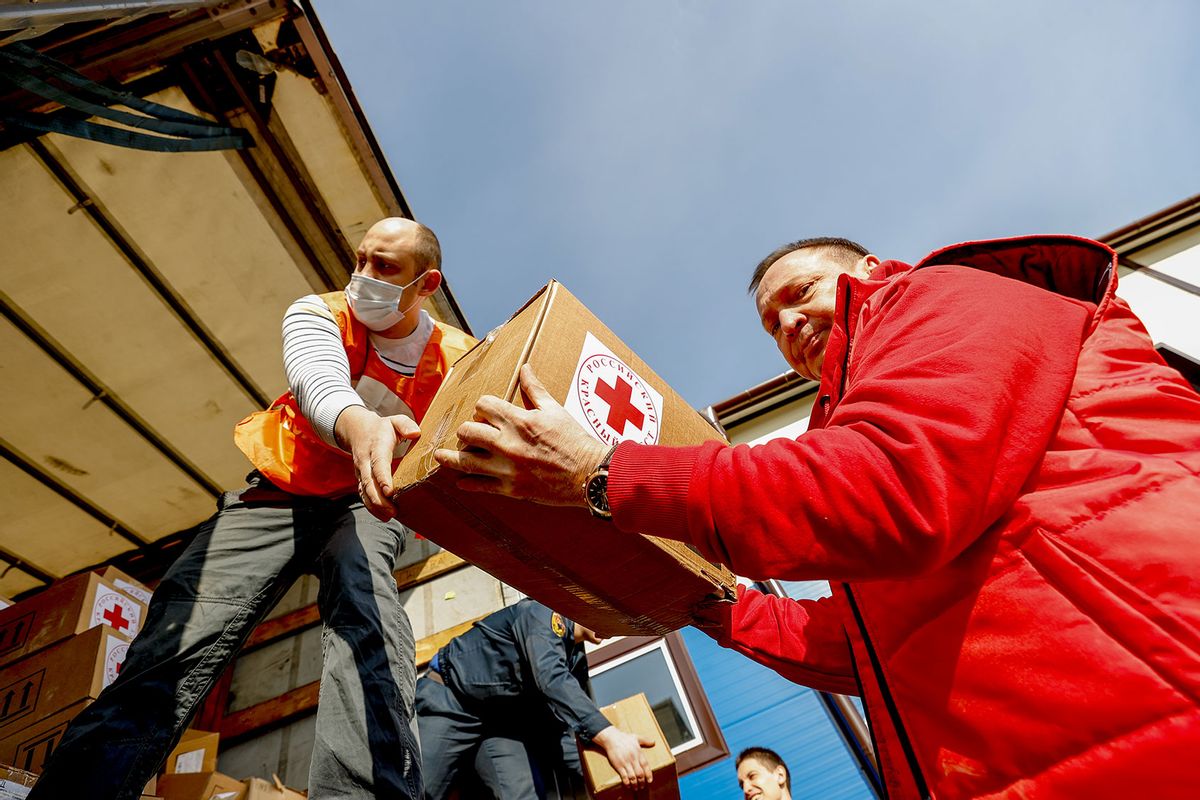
<point>397,235</point>
<point>407,255</point>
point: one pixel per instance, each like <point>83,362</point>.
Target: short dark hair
<point>834,244</point>
<point>428,247</point>
<point>769,759</point>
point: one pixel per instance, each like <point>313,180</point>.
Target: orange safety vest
<point>281,443</point>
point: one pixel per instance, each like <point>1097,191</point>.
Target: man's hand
<point>715,617</point>
<point>624,752</point>
<point>539,454</point>
<point>371,441</point>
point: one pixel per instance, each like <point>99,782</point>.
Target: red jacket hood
<point>1072,266</point>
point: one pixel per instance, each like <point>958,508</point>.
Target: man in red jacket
<point>1001,479</point>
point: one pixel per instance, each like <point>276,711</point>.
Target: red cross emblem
<point>620,410</point>
<point>115,617</point>
<point>612,400</point>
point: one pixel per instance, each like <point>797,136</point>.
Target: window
<point>661,669</point>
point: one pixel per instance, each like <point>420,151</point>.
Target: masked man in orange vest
<point>362,366</point>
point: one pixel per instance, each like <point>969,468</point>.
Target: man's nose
<point>791,320</point>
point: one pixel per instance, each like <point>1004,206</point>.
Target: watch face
<point>597,492</point>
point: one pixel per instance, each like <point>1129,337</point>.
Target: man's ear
<point>865,265</point>
<point>780,772</point>
<point>433,279</point>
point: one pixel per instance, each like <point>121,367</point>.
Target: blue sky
<point>648,154</point>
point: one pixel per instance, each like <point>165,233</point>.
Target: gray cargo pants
<point>236,569</point>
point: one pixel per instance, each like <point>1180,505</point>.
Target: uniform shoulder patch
<point>557,624</point>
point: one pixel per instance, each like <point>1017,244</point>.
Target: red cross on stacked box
<point>117,610</point>
<point>114,617</point>
<point>64,609</point>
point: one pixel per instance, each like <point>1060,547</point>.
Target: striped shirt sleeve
<point>317,368</point>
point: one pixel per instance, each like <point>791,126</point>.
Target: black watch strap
<point>608,457</point>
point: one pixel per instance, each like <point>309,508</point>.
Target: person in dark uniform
<point>506,700</point>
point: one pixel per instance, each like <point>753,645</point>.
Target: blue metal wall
<point>814,590</point>
<point>756,707</point>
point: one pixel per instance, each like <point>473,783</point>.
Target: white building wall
<point>1171,314</point>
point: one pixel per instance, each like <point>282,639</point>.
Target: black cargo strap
<point>184,131</point>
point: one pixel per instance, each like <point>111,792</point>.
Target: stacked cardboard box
<point>258,789</point>
<point>201,786</point>
<point>67,608</point>
<point>130,586</point>
<point>58,650</point>
<point>215,786</point>
<point>190,772</point>
<point>196,752</point>
<point>15,783</point>
<point>41,694</point>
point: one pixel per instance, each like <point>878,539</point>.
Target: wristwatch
<point>595,487</point>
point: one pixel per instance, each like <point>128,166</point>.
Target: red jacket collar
<point>1072,266</point>
<point>852,293</point>
<point>1075,267</point>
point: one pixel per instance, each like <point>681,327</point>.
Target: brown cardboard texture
<point>130,586</point>
<point>15,783</point>
<point>633,715</point>
<point>564,557</point>
<point>70,606</point>
<point>60,676</point>
<point>29,747</point>
<point>196,752</point>
<point>201,786</point>
<point>258,789</point>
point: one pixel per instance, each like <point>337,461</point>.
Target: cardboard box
<point>15,784</point>
<point>563,557</point>
<point>130,586</point>
<point>52,680</point>
<point>632,715</point>
<point>258,789</point>
<point>29,747</point>
<point>196,752</point>
<point>66,608</point>
<point>200,786</point>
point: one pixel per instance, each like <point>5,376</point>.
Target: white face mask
<point>376,303</point>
